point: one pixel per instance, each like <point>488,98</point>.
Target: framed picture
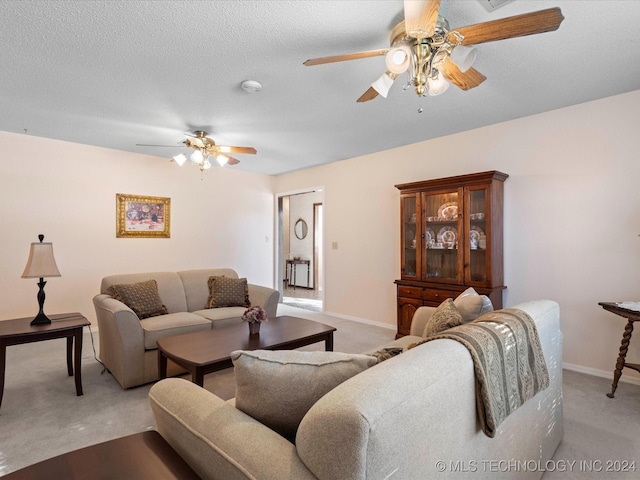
<point>142,217</point>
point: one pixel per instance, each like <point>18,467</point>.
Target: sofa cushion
<point>277,388</point>
<point>228,292</point>
<point>216,315</point>
<point>445,316</point>
<point>471,305</point>
<point>141,297</point>
<point>169,325</point>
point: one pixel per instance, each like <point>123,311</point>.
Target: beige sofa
<point>410,417</point>
<point>128,344</point>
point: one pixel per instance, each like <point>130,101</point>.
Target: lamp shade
<point>41,262</point>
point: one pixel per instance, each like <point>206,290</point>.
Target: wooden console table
<point>631,316</point>
<point>291,271</point>
<point>64,325</point>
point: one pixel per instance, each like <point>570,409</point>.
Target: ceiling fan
<point>205,147</point>
<point>423,46</point>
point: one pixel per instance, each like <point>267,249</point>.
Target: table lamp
<point>41,264</point>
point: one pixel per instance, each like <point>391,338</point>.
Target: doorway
<point>300,249</point>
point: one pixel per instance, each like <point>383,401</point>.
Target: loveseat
<point>412,416</point>
<point>128,344</point>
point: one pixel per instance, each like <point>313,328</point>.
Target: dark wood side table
<point>134,457</point>
<point>64,325</point>
<point>631,316</point>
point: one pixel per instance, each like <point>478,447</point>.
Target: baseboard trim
<point>600,373</point>
<point>361,320</point>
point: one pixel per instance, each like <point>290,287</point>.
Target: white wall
<point>68,192</point>
<point>572,208</point>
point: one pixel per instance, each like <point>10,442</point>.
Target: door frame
<point>278,257</point>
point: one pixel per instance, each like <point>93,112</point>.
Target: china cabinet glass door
<point>478,238</point>
<point>441,214</point>
<point>410,236</point>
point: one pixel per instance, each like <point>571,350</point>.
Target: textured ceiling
<point>118,73</point>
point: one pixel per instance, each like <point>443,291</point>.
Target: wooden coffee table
<point>209,351</point>
<point>138,456</point>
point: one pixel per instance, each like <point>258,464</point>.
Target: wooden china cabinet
<point>451,239</point>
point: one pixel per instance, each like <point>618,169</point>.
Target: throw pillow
<point>228,292</point>
<point>142,297</point>
<point>471,305</point>
<point>386,353</point>
<point>444,317</point>
<point>277,388</point>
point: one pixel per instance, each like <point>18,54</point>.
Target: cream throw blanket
<point>508,362</point>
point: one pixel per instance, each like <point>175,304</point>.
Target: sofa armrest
<point>121,340</point>
<point>219,441</point>
<point>265,297</point>
<point>419,320</point>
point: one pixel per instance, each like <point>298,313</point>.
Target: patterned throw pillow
<point>228,292</point>
<point>445,316</point>
<point>142,297</point>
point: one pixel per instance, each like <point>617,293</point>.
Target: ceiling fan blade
<point>420,17</point>
<point>231,160</point>
<point>370,94</point>
<point>232,149</point>
<point>464,80</point>
<point>517,26</point>
<point>194,142</point>
<point>346,57</point>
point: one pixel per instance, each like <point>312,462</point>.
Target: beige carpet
<point>41,416</point>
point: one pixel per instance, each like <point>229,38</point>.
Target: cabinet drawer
<point>410,292</point>
<point>438,296</point>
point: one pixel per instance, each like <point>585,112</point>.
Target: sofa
<point>128,343</point>
<point>412,416</point>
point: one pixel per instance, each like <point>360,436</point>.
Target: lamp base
<point>41,319</point>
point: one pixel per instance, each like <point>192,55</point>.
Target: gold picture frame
<point>141,216</point>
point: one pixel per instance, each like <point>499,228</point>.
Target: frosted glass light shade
<point>196,156</point>
<point>383,84</point>
<point>222,160</point>
<point>437,85</point>
<point>398,59</point>
<point>463,57</point>
<point>180,159</point>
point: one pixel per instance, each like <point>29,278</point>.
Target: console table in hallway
<point>291,271</point>
<point>631,316</point>
<point>65,325</point>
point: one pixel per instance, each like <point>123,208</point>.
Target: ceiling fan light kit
<point>432,55</point>
<point>203,149</point>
